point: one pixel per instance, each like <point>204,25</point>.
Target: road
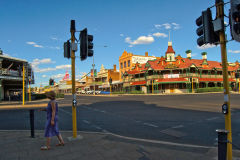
<point>178,119</point>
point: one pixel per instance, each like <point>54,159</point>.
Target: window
<point>125,64</point>
<point>128,63</point>
<point>121,65</point>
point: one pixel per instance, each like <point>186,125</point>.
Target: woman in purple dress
<point>51,127</point>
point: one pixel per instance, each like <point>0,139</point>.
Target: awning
<point>215,80</point>
<point>171,80</point>
<point>138,83</point>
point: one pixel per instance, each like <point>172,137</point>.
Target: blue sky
<point>36,29</point>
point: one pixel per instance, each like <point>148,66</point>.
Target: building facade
<point>175,74</point>
<point>11,77</point>
<point>128,60</point>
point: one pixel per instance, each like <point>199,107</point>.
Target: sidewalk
<point>17,145</point>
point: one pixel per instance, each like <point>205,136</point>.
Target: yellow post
<point>152,87</point>
<point>30,92</point>
<point>23,92</point>
<point>74,109</point>
<point>220,14</point>
<point>110,89</point>
<point>238,85</point>
<point>192,86</point>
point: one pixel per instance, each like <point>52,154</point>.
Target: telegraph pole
<point>74,109</point>
<point>220,15</point>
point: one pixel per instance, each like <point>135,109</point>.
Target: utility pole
<point>220,15</point>
<point>23,92</point>
<point>74,109</point>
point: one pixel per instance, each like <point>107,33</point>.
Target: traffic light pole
<point>220,14</point>
<point>74,109</point>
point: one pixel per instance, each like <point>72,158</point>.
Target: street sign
<point>74,102</point>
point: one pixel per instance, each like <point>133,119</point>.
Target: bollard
<point>32,122</point>
<point>222,144</point>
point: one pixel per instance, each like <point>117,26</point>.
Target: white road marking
<point>178,126</point>
<point>85,121</point>
<point>105,131</point>
<point>213,118</point>
<point>69,113</point>
<point>97,127</point>
<point>151,125</point>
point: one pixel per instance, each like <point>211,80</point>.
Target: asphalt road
<point>183,119</point>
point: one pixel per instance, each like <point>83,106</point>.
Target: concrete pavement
<point>17,145</point>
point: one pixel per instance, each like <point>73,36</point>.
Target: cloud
<point>158,34</point>
<point>42,61</point>
<point>175,26</point>
<point>206,46</point>
<point>54,38</point>
<point>34,44</point>
<point>38,46</point>
<point>122,35</point>
<point>37,62</point>
<point>63,66</point>
<point>57,76</point>
<point>31,43</point>
<point>194,54</point>
<point>236,51</point>
<point>167,26</point>
<point>60,67</point>
<point>140,40</point>
<point>44,76</point>
<point>158,26</point>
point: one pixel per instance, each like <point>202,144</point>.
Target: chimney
<point>189,52</point>
<point>204,55</point>
<point>114,67</point>
<point>146,54</point>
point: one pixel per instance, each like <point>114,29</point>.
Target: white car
<point>97,92</point>
<point>89,92</point>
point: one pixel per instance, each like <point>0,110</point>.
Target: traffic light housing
<point>86,45</point>
<point>67,49</point>
<point>206,30</point>
<point>234,19</point>
<point>51,82</point>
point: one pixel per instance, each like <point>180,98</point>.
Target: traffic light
<point>86,45</point>
<point>67,49</point>
<point>237,75</point>
<point>234,19</point>
<point>206,29</point>
<point>51,82</point>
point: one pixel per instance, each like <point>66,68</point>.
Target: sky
<point>35,30</point>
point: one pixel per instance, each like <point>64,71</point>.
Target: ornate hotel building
<point>173,74</point>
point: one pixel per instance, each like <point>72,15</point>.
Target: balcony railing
<point>184,75</point>
<point>7,72</point>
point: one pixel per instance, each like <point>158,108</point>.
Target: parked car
<point>97,92</point>
<point>89,92</point>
